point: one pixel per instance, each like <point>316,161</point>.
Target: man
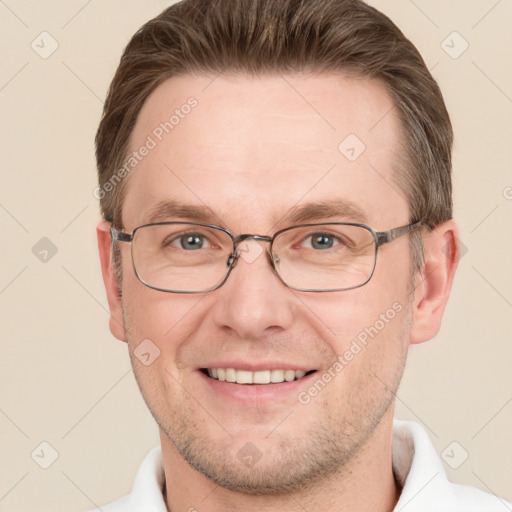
<point>275,185</point>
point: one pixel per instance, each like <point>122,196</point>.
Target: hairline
<point>399,166</point>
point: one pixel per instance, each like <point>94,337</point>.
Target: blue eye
<point>322,241</point>
<point>190,242</point>
<point>186,241</point>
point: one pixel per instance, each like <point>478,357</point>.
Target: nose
<point>253,302</point>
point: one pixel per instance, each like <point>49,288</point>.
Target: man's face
<point>253,150</point>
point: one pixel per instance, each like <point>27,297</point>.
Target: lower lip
<point>255,392</point>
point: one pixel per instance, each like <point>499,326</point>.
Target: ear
<point>115,301</point>
<point>433,284</point>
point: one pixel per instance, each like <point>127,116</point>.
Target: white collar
<point>416,465</point>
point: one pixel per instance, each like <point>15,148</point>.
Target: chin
<point>263,464</point>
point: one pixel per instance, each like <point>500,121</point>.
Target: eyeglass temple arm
<point>119,236</point>
<point>384,237</point>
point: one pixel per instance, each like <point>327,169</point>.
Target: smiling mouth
<point>259,377</point>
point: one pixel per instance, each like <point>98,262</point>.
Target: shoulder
<point>425,485</point>
<point>146,495</point>
<point>470,499</point>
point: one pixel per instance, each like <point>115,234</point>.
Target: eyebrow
<point>325,210</point>
<point>164,210</point>
<point>333,209</point>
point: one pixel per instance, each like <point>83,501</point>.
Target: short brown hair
<point>278,36</point>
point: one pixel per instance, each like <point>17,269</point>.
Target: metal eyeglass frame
<point>379,237</point>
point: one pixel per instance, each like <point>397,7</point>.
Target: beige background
<point>66,381</point>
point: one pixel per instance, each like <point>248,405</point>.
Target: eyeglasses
<point>189,257</point>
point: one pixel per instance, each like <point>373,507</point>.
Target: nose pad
<point>232,259</point>
<point>250,252</point>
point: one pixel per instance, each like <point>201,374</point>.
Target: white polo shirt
<point>417,467</point>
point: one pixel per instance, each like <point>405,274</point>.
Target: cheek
<point>153,312</point>
<point>392,275</point>
<point>158,324</point>
<point>362,313</point>
<point>158,319</point>
<point>367,330</point>
<point>371,348</point>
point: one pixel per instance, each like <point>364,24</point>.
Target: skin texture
<point>252,150</point>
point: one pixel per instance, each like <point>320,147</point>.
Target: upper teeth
<point>259,377</point>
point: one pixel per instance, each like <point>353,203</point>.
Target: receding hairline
<point>209,76</point>
<point>399,157</point>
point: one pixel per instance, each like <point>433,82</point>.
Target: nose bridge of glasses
<point>246,237</point>
<point>258,238</point>
<point>246,253</point>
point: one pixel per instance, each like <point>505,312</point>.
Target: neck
<point>365,483</point>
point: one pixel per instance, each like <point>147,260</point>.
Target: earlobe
<point>434,282</point>
<point>109,279</point>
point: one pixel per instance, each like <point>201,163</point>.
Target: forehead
<point>256,146</point>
